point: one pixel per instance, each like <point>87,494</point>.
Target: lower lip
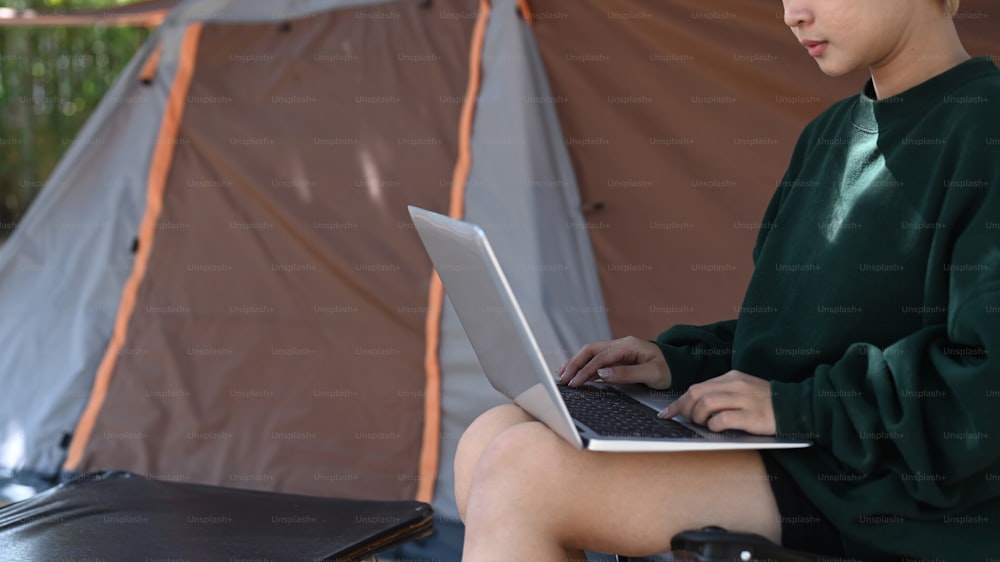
<point>817,50</point>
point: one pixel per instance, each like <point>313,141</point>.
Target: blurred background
<point>51,78</point>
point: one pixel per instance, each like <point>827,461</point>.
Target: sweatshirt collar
<point>872,115</point>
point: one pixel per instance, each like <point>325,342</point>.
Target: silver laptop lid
<point>492,318</point>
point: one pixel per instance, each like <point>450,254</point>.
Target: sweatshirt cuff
<point>794,414</point>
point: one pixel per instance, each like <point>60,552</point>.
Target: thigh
<point>651,497</point>
<point>628,503</point>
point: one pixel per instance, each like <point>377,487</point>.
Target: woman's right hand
<point>625,360</point>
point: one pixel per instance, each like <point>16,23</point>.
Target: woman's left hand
<point>734,400</point>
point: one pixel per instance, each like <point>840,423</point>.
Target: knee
<point>476,439</point>
<point>483,430</point>
<point>520,461</point>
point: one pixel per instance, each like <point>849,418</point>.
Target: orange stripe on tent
<point>431,440</point>
<point>464,164</point>
<point>158,171</point>
<point>525,7</point>
<point>431,448</point>
<point>151,65</point>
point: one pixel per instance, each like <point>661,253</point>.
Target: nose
<point>797,13</point>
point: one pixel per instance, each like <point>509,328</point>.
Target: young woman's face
<point>846,35</point>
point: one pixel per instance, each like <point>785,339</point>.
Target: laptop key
<point>611,413</point>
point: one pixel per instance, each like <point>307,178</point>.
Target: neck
<point>931,47</point>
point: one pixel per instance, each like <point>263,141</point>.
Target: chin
<point>835,69</point>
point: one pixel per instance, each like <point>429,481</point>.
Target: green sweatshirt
<point>874,310</point>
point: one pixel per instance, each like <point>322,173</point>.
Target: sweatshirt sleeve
<point>697,353</point>
<point>925,407</point>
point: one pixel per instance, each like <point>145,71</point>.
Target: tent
<point>220,284</point>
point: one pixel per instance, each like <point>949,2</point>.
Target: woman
<point>878,274</point>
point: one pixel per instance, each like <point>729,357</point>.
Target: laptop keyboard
<point>611,413</point>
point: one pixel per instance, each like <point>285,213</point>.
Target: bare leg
<point>471,447</point>
<point>526,494</point>
<point>474,442</point>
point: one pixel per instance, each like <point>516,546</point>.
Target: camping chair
<point>124,516</point>
<point>715,544</point>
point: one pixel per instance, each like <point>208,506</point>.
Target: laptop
<point>597,416</point>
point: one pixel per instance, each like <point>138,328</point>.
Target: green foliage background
<point>51,78</point>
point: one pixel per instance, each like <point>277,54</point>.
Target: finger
<point>751,421</point>
<point>612,355</point>
<point>712,403</point>
<point>727,420</point>
<point>685,405</point>
<point>579,359</point>
<point>679,407</point>
<point>645,373</point>
<point>729,376</point>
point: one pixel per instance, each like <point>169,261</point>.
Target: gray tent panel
<point>233,11</point>
<point>522,190</point>
<point>62,272</point>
